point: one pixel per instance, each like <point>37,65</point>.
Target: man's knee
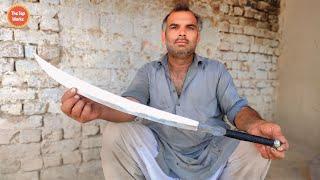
<point>246,151</point>
<point>245,163</point>
<point>112,134</point>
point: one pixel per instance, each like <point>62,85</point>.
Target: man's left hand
<point>272,131</point>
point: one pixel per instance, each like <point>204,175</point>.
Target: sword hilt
<point>220,131</point>
<point>253,138</point>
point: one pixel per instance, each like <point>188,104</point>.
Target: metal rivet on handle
<point>277,143</point>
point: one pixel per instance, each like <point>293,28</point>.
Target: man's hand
<point>250,121</point>
<point>272,131</point>
<point>79,108</point>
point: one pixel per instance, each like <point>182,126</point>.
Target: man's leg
<point>245,163</point>
<point>117,163</point>
<point>129,151</point>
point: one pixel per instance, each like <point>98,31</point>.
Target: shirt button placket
<point>178,108</point>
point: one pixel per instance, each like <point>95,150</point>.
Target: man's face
<point>181,34</point>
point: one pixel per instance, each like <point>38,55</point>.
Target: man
<point>189,85</point>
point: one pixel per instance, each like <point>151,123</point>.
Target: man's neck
<point>179,64</point>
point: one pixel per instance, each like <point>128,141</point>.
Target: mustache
<point>181,39</point>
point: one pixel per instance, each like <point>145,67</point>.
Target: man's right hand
<point>80,108</point>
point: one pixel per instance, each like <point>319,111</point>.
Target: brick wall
<point>105,42</point>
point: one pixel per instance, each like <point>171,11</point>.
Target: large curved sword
<point>124,105</point>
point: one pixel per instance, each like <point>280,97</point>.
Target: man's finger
<point>277,134</point>
<point>262,150</point>
<point>87,110</point>
<point>284,146</point>
<point>68,104</point>
<point>272,155</point>
<point>87,100</point>
<point>268,150</point>
<point>277,154</point>
<point>264,153</point>
<point>68,94</point>
<point>77,109</point>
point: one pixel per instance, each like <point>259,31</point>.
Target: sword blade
<point>114,101</point>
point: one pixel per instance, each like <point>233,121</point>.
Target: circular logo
<point>18,16</point>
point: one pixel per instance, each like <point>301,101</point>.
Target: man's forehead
<point>185,17</point>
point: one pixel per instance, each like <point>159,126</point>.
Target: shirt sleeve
<point>139,87</point>
<point>228,97</point>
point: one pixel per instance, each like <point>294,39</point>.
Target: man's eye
<point>191,28</point>
<point>173,27</point>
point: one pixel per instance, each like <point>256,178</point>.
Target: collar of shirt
<point>197,60</point>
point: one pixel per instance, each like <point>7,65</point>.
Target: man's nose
<point>182,32</point>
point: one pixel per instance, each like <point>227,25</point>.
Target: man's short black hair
<point>182,7</point>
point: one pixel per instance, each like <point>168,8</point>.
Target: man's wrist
<point>103,112</point>
<point>247,119</point>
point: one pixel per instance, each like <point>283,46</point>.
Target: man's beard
<point>176,52</point>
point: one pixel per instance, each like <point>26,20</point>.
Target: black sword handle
<point>252,138</point>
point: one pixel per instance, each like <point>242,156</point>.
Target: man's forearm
<point>113,115</point>
<point>246,118</point>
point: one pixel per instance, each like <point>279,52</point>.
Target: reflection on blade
<point>114,101</point>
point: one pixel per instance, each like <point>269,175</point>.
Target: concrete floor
<point>295,166</point>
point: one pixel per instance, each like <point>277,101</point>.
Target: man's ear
<point>163,38</point>
<point>198,39</point>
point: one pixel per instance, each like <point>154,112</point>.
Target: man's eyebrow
<point>192,25</point>
<point>173,24</point>
<point>188,25</point>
